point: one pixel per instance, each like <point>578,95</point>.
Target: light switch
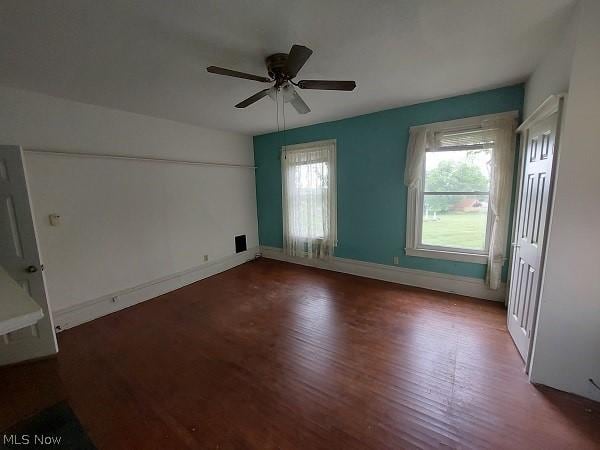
<point>54,220</point>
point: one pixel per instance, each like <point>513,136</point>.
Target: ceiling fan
<point>282,69</point>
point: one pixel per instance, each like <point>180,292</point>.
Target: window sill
<point>448,255</point>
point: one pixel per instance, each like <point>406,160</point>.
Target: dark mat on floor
<point>55,427</point>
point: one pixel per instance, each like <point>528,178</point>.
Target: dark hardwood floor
<point>275,355</point>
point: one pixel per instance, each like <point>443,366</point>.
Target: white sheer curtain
<point>309,199</point>
<point>413,177</point>
<point>503,157</point>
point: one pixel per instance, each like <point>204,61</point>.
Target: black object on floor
<point>54,427</point>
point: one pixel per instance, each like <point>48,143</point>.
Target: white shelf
<point>17,309</point>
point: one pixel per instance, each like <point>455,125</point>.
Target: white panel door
<point>20,258</point>
<point>535,189</point>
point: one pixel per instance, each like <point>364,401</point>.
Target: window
<point>452,174</point>
<point>309,199</point>
<point>456,194</point>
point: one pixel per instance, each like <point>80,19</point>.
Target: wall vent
<point>240,243</point>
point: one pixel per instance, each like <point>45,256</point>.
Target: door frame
<point>553,104</point>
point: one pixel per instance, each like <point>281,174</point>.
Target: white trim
<point>305,145</point>
<point>448,255</point>
<point>136,158</point>
<point>547,108</point>
<point>455,284</point>
<point>466,121</point>
<point>92,309</point>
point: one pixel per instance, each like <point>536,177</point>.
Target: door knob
<point>31,269</point>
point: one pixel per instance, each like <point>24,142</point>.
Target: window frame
<point>332,178</point>
<point>414,215</point>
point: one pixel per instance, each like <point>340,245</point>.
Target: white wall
<point>125,223</point>
<point>552,75</point>
<point>567,345</point>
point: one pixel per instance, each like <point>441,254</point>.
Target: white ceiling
<point>150,56</point>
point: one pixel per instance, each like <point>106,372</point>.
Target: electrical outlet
<point>396,260</point>
<point>205,258</point>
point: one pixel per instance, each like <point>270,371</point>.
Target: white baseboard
<point>92,309</point>
<point>455,284</point>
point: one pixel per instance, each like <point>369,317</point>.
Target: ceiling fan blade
<point>299,105</point>
<point>327,85</point>
<point>297,57</point>
<point>256,97</point>
<point>235,73</point>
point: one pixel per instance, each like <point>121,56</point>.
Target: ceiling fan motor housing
<point>276,67</point>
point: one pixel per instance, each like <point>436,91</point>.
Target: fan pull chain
<point>277,109</point>
<point>278,130</point>
<point>283,112</point>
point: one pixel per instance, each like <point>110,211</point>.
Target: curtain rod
<point>137,158</point>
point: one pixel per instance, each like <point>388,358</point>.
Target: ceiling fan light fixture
<point>287,93</point>
<point>273,94</point>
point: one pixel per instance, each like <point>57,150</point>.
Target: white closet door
<point>533,207</point>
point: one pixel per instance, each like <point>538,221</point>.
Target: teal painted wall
<point>371,153</point>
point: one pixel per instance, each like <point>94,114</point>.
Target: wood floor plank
<point>275,355</point>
